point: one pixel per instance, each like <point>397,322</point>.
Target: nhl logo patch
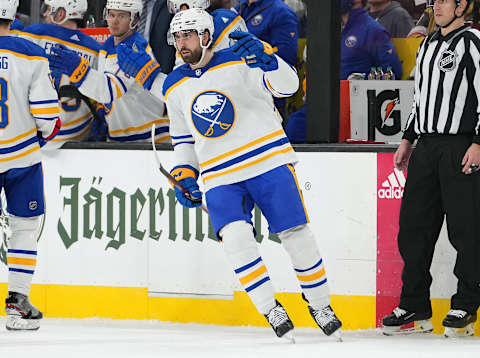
<point>33,205</point>
<point>257,20</point>
<point>213,114</point>
<point>351,41</point>
<point>447,61</point>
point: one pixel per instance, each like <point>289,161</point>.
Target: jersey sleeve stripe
<point>51,110</point>
<point>226,30</point>
<point>78,120</point>
<point>181,137</point>
<point>183,142</point>
<point>140,136</point>
<point>44,102</point>
<point>273,91</point>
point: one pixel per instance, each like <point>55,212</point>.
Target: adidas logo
<point>75,38</point>
<point>392,188</point>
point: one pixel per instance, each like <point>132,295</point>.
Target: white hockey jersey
<point>28,102</point>
<point>131,110</point>
<point>223,121</point>
<point>225,22</point>
<point>76,116</point>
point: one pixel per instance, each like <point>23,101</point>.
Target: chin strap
<point>454,16</point>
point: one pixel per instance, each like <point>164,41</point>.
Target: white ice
<point>91,338</point>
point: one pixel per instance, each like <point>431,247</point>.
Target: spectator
<point>153,25</point>
<point>45,10</point>
<point>365,43</point>
<point>392,16</point>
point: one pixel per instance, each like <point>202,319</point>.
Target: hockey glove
<point>255,52</point>
<point>186,176</point>
<point>63,60</point>
<point>42,141</point>
<point>137,63</point>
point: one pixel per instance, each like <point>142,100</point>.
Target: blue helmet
<point>346,6</point>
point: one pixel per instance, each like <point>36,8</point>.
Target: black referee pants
<point>437,188</point>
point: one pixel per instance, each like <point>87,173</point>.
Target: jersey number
<point>3,103</point>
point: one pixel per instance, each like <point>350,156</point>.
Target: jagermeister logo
<point>116,216</point>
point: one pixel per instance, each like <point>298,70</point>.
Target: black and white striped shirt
<point>447,85</point>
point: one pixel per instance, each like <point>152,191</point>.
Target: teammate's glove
<point>255,52</point>
<point>137,63</point>
<point>99,125</point>
<point>186,176</point>
<point>63,60</point>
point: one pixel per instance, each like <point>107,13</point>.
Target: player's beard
<point>194,56</point>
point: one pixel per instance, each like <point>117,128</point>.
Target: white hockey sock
<point>22,252</point>
<point>301,245</point>
<point>242,251</point>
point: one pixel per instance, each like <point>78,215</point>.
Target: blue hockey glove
<point>63,60</point>
<point>137,63</point>
<point>255,52</point>
<point>186,176</point>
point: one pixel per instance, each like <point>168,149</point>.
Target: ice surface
<point>91,338</point>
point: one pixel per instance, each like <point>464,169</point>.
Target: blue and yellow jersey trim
<point>226,30</point>
<point>180,75</point>
<point>248,155</point>
<point>75,129</point>
<point>46,110</point>
<point>273,91</point>
<point>19,146</point>
<point>143,132</point>
<point>183,139</point>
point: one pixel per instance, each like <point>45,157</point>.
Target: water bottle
<point>91,21</point>
<point>371,74</point>
<point>379,74</point>
<point>389,75</point>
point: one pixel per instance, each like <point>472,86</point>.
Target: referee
<point>442,173</point>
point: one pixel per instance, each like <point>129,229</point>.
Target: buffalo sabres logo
<point>213,114</point>
<point>448,61</point>
<point>257,20</point>
<point>351,41</point>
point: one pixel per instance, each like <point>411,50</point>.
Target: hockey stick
<point>170,178</point>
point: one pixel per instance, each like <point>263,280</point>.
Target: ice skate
<point>395,323</point>
<point>327,321</point>
<point>280,322</point>
<point>21,314</point>
<point>459,323</point>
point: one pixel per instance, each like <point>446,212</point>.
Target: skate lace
<point>277,316</point>
<point>398,312</point>
<point>457,313</point>
<point>324,316</point>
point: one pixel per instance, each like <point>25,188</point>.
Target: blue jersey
<point>365,44</point>
<point>274,22</point>
<point>76,116</point>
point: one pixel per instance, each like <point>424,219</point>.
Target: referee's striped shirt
<point>447,86</point>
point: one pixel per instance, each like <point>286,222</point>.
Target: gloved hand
<point>42,141</point>
<point>137,63</point>
<point>255,52</point>
<point>99,126</point>
<point>186,176</point>
<point>63,60</point>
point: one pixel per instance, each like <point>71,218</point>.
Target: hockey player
<point>29,112</point>
<point>225,128</point>
<point>225,21</point>
<point>129,109</point>
<point>66,16</point>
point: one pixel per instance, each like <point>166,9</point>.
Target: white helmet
<point>192,19</point>
<point>175,5</point>
<point>75,9</point>
<point>134,7</point>
<point>8,9</point>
